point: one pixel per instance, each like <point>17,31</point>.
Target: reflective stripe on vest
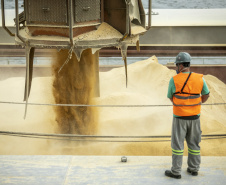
<point>188,102</point>
<point>188,97</point>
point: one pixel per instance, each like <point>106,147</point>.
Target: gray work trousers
<point>189,130</point>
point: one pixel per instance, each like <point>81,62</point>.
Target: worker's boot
<point>191,172</point>
<point>168,173</point>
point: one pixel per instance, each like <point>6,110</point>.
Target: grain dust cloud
<point>147,84</point>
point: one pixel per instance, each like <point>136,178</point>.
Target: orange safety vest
<point>187,102</point>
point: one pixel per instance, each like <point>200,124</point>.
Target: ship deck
<point>67,169</point>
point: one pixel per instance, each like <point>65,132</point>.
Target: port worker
<point>187,91</point>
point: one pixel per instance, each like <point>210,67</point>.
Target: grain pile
<point>147,84</point>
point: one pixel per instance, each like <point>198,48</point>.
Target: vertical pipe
<point>124,48</point>
<point>149,14</point>
<point>127,32</point>
<point>3,18</point>
<point>70,19</point>
<point>17,18</point>
<point>3,12</point>
<point>27,77</point>
<point>125,62</point>
<point>102,11</point>
<point>127,18</point>
<point>17,21</point>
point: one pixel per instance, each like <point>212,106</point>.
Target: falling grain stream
<point>75,84</point>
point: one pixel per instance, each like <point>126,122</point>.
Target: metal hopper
<point>76,25</point>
